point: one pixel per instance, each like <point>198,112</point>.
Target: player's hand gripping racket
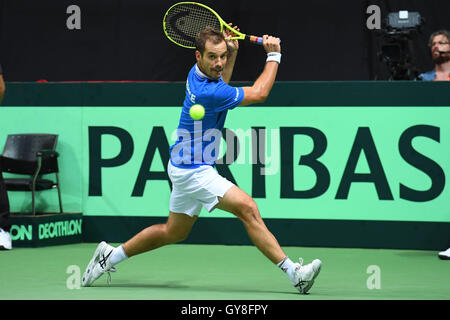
<point>185,20</point>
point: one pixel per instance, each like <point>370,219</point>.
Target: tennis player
<point>195,182</point>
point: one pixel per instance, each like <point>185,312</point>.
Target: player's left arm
<point>233,47</point>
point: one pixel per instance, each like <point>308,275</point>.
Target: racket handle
<point>255,39</point>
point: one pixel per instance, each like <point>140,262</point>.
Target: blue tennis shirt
<point>198,142</point>
<point>430,75</point>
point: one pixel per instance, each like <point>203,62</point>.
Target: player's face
<point>213,59</point>
<point>439,43</point>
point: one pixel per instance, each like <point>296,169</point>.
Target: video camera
<point>396,38</point>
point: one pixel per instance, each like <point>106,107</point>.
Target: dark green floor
<point>214,272</point>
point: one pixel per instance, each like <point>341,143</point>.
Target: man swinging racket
<point>195,182</point>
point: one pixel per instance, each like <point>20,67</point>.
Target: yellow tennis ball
<point>197,112</point>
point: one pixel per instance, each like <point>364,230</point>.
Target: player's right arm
<point>261,88</point>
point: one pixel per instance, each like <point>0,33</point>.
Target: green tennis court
<point>217,272</point>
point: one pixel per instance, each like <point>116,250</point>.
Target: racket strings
<point>184,22</point>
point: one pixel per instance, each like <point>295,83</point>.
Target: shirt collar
<point>202,75</point>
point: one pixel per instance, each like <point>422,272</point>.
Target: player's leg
<point>244,207</point>
<point>184,211</point>
<point>176,229</point>
<point>239,203</point>
<point>105,257</point>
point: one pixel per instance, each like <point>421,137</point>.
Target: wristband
<point>274,56</point>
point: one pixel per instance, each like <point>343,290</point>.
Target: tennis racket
<point>185,20</point>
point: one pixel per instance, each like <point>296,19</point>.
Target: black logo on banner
<point>362,143</point>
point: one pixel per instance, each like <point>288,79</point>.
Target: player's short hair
<point>446,33</point>
<point>208,34</point>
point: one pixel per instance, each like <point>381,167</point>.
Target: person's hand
<point>233,45</point>
<point>271,44</point>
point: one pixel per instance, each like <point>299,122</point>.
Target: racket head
<point>185,20</point>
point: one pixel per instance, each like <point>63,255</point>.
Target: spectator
<point>439,44</point>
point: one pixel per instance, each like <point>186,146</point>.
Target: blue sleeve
<point>428,76</point>
<point>227,97</point>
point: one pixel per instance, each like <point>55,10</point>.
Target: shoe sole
<point>86,280</point>
<point>310,284</point>
<point>443,257</point>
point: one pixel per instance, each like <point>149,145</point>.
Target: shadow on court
<point>201,288</point>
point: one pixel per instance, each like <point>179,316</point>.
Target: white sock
<point>288,267</point>
<point>118,255</point>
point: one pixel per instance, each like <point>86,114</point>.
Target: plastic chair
<point>33,155</point>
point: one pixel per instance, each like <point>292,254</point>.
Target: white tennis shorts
<point>193,189</point>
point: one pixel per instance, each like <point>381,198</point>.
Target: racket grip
<point>255,39</point>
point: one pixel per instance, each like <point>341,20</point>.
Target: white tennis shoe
<point>304,275</point>
<point>445,255</point>
<point>98,265</point>
<point>5,240</point>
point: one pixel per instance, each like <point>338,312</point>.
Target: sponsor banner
<point>355,163</point>
<point>43,230</point>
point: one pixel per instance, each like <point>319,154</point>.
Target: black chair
<point>33,155</point>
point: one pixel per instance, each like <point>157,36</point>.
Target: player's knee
<point>174,236</point>
<point>249,212</point>
<point>182,236</point>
